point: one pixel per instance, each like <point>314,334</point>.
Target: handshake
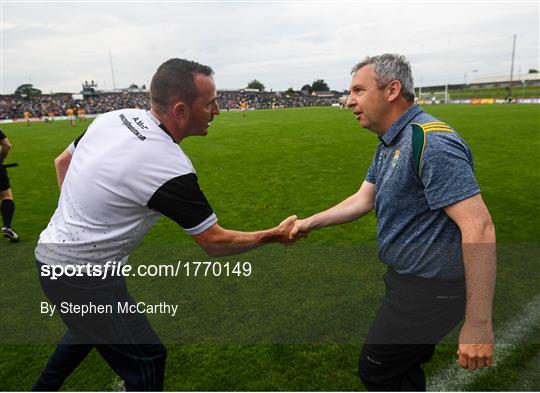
<point>291,230</point>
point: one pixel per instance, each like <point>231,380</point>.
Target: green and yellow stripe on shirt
<point>419,140</point>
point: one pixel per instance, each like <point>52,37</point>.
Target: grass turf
<point>256,170</point>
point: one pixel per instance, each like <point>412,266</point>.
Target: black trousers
<point>125,340</point>
<point>415,315</point>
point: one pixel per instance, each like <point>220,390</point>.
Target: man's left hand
<point>475,347</point>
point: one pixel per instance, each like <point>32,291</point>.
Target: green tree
<point>320,85</point>
<point>307,88</point>
<point>290,91</point>
<point>27,90</point>
<point>255,84</point>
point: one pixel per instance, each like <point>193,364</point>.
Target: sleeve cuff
<point>203,226</point>
<point>454,199</point>
<point>71,148</point>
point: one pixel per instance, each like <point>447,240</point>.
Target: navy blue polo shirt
<point>421,165</point>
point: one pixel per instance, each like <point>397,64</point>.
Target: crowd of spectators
<point>268,100</point>
<point>13,107</point>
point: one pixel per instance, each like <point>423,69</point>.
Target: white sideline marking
<point>454,378</point>
<point>117,384</point>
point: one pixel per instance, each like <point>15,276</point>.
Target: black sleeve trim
<point>182,200</point>
<point>76,141</point>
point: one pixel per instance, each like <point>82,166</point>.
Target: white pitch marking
<point>117,384</point>
<point>454,378</point>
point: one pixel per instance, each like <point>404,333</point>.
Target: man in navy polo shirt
<point>433,229</point>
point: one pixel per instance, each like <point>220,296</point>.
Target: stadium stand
<point>93,101</point>
<point>49,105</point>
<point>524,86</point>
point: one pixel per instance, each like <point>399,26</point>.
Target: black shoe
<point>10,234</point>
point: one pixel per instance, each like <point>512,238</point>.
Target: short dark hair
<point>175,80</point>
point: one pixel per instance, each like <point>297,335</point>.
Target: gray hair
<point>389,67</point>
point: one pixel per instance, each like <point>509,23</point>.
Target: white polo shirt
<point>125,172</point>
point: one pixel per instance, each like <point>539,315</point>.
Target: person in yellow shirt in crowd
<point>71,117</point>
<point>81,114</point>
<point>27,118</point>
<point>243,107</point>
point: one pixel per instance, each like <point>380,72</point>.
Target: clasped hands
<point>292,229</point>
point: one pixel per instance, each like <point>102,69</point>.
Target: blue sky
<point>56,45</point>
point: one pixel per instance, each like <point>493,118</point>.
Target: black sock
<point>8,208</point>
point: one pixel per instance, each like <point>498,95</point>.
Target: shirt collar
<point>159,124</point>
<point>400,124</point>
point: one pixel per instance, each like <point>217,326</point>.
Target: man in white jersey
<point>116,180</point>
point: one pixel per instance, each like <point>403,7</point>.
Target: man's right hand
<point>285,228</point>
<point>301,229</point>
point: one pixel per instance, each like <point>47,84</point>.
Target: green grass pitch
<point>255,171</point>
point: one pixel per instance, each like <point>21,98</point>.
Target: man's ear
<point>179,109</point>
<point>393,90</point>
